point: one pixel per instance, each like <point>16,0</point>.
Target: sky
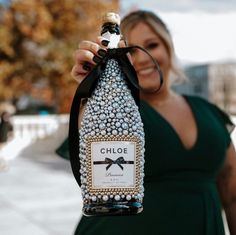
<point>203,30</point>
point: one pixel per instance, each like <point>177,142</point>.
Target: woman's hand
<point>88,55</point>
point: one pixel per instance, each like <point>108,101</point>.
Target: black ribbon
<point>118,161</point>
<point>88,85</point>
<point>111,28</point>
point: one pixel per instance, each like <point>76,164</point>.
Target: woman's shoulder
<point>198,99</point>
<point>218,112</point>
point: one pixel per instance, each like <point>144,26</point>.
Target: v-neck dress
<point>181,196</point>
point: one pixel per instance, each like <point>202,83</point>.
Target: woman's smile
<point>146,71</point>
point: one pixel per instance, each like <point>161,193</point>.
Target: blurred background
<point>38,194</point>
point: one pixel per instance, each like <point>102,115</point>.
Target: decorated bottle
<point>111,141</point>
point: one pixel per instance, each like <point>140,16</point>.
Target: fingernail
<point>96,59</point>
<point>105,42</point>
<point>126,44</point>
<point>123,39</point>
<point>86,67</point>
<point>101,52</point>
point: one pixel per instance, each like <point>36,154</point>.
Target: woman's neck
<point>164,96</point>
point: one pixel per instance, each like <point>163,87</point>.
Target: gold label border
<point>111,190</point>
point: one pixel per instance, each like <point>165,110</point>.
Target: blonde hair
<point>160,28</point>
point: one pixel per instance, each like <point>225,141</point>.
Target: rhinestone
<point>118,79</point>
<point>127,109</point>
<point>94,198</point>
<point>115,105</point>
<point>129,105</point>
<point>103,132</point>
<point>124,125</point>
<point>119,115</point>
<point>105,198</point>
<point>114,85</point>
<point>102,126</point>
<point>114,132</point>
<point>117,197</point>
<point>102,116</point>
<point>128,197</point>
<point>82,156</point>
<point>95,117</point>
<point>118,124</point>
<point>96,108</point>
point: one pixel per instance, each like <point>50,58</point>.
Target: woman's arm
<point>227,188</point>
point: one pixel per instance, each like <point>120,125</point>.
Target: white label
<point>113,164</point>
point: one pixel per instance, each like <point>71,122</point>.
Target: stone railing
<point>36,127</point>
<point>35,134</point>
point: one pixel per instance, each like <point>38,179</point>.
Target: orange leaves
<point>37,41</point>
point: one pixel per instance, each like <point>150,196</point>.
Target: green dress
<point>181,196</point>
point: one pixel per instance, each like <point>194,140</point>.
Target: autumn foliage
<point>37,42</point>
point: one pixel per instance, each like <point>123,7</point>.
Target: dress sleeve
<point>63,150</point>
<point>226,121</point>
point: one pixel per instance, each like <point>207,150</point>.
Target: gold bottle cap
<point>111,17</point>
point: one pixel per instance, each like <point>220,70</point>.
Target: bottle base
<point>116,209</point>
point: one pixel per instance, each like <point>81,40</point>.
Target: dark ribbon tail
<point>84,90</point>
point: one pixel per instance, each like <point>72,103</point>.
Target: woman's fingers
<point>83,55</point>
<point>123,44</point>
<point>102,42</point>
<point>88,55</point>
<point>78,73</point>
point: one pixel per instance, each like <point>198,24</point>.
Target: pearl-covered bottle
<point>111,141</point>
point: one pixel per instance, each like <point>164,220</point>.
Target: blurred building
<point>215,82</point>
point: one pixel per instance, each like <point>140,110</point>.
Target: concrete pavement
<point>38,195</point>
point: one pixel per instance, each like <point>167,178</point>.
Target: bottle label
<point>113,164</point>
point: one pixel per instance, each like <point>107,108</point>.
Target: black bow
<point>118,161</point>
<point>86,88</point>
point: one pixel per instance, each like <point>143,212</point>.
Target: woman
<point>190,168</point>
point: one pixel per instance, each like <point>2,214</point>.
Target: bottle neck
<point>111,32</point>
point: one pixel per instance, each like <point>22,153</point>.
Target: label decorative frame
<point>89,164</point>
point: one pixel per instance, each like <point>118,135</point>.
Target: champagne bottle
<point>111,141</point>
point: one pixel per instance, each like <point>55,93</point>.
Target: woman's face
<point>144,36</point>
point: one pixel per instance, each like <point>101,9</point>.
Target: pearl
<point>105,198</point>
<point>117,197</point>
